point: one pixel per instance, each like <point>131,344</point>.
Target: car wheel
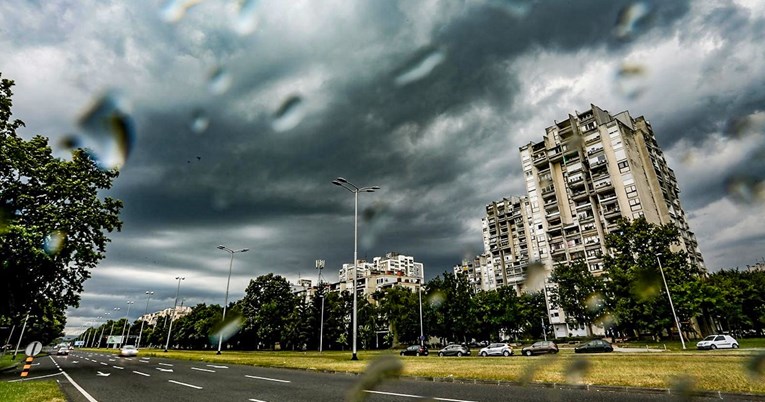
<point>527,353</point>
<point>483,354</point>
<point>426,353</point>
<point>506,353</point>
<point>735,346</point>
<point>713,347</point>
<point>459,354</point>
<point>418,353</point>
<point>440,354</point>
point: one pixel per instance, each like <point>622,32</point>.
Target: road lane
<point>159,379</point>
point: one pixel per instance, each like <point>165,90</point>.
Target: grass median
<point>31,391</point>
<point>725,371</point>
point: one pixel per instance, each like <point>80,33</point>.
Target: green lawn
<point>725,371</point>
<point>5,361</point>
<point>31,391</point>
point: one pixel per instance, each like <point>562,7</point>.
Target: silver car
<point>496,349</point>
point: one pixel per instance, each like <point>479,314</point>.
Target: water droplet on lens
<point>536,275</point>
<point>516,8</point>
<point>219,80</point>
<point>436,298</point>
<point>745,189</point>
<point>633,20</point>
<point>755,367</point>
<point>289,115</point>
<point>647,284</point>
<point>631,80</point>
<point>744,126</point>
<point>595,302</point>
<point>199,121</point>
<point>228,328</point>
<point>107,130</point>
<point>682,387</point>
<point>247,18</point>
<point>174,10</point>
<point>54,242</point>
<point>420,68</point>
<point>70,142</point>
<point>576,370</point>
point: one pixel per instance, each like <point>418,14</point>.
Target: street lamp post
<point>669,296</point>
<point>170,330</point>
<point>145,311</point>
<point>111,331</point>
<point>422,333</point>
<point>127,318</point>
<point>98,345</point>
<point>355,190</point>
<point>228,282</point>
<point>93,341</point>
<point>320,266</point>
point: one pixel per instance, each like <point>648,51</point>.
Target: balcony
<point>591,138</point>
<point>611,212</point>
<point>548,190</point>
<point>580,195</point>
<point>603,186</point>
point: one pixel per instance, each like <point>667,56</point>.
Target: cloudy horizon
<point>243,115</point>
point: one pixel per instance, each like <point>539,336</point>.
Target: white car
<point>717,342</point>
<point>128,351</point>
<point>496,349</point>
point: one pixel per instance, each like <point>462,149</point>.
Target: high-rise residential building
<point>588,171</point>
<point>479,272</point>
<point>179,312</point>
<point>392,270</point>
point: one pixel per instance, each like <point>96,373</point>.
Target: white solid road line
<point>266,378</point>
<point>415,396</point>
<point>118,367</point>
<point>143,374</point>
<point>165,364</point>
<point>77,386</point>
<point>184,384</point>
<point>35,378</point>
<point>201,369</point>
<point>257,400</point>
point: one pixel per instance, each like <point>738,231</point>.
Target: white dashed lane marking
<point>184,384</point>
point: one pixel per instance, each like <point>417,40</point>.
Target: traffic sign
<point>33,348</point>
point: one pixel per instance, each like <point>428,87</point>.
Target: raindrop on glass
<point>54,242</point>
<point>199,121</point>
<point>175,10</point>
<point>755,367</point>
<point>436,298</point>
<point>70,142</point>
<point>536,273</point>
<point>289,114</point>
<point>577,370</point>
<point>246,20</point>
<point>107,131</point>
<point>420,68</point>
<point>595,302</point>
<point>516,8</point>
<point>745,126</point>
<point>633,20</point>
<point>228,328</point>
<point>219,80</point>
<point>631,80</point>
<point>745,189</point>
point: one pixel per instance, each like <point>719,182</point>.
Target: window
<point>631,190</point>
<point>624,167</point>
<point>637,215</point>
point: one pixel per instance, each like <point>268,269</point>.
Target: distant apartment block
<point>153,318</point>
<point>392,270</point>
<point>588,171</point>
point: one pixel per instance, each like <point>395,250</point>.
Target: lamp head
<point>221,247</point>
<point>244,250</point>
<point>341,180</point>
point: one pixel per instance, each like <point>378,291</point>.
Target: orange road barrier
<point>27,366</point>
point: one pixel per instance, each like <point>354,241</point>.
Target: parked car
<point>596,346</point>
<point>63,351</point>
<point>415,350</point>
<point>540,347</point>
<point>496,349</point>
<point>128,350</point>
<point>718,342</point>
<point>454,350</point>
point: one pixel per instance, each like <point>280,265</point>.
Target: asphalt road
<point>88,377</point>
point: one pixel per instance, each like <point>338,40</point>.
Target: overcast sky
<point>244,115</point>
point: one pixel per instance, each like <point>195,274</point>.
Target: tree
<point>452,297</point>
<point>52,220</point>
<point>400,308</point>
<point>267,303</point>
<point>578,292</point>
<point>196,329</point>
<point>635,292</point>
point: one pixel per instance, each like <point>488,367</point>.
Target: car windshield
<point>709,338</point>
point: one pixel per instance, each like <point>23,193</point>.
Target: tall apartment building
<point>392,270</point>
<point>588,171</point>
<point>152,318</point>
<point>479,272</point>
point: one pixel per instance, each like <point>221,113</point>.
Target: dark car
<point>540,347</point>
<point>454,350</point>
<point>415,350</point>
<point>596,346</point>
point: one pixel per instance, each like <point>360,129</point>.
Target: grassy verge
<point>6,362</point>
<point>31,391</point>
<point>712,371</point>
